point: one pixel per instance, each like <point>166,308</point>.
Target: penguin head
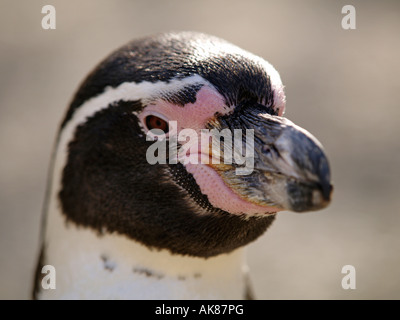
<point>159,97</point>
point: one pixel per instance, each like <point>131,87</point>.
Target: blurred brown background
<point>341,85</point>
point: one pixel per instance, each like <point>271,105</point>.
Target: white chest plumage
<point>112,266</point>
<point>102,177</point>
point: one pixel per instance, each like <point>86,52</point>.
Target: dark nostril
<point>266,149</point>
<point>269,150</point>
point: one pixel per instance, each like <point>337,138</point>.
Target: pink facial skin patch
<point>191,115</point>
<point>195,116</point>
<point>222,196</point>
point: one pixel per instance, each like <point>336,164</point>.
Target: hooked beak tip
<point>321,197</point>
<point>308,195</point>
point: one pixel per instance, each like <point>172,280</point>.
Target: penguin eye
<point>153,122</point>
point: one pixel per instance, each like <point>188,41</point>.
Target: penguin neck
<point>112,266</point>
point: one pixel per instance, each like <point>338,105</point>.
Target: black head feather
<point>108,185</point>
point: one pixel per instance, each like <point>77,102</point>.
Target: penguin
<point>118,226</point>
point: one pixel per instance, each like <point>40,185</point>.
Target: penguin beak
<point>291,170</point>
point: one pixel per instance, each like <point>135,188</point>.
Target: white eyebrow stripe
<point>128,91</point>
<point>145,91</point>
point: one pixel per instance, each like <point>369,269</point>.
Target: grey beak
<point>299,157</point>
<point>291,170</point>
